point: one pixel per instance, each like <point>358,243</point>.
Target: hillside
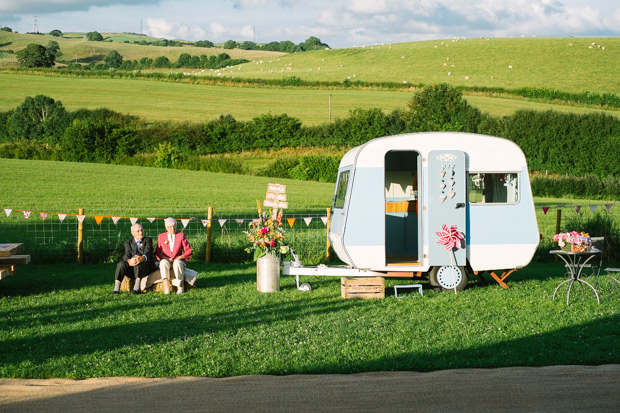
<point>76,48</point>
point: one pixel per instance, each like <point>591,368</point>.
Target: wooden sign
<point>275,198</point>
<point>276,188</point>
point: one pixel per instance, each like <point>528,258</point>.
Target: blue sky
<point>338,23</point>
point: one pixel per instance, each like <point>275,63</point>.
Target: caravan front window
<point>341,190</point>
<point>493,188</point>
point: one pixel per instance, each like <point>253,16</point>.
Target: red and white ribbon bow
<point>450,237</point>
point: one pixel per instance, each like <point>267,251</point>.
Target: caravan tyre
<point>443,277</point>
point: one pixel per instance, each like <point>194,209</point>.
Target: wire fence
<point>54,237</point>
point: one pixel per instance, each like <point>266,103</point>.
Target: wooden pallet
<point>362,288</point>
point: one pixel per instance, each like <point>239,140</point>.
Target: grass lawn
<point>60,321</point>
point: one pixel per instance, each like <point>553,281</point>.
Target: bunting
<point>7,212</point>
<point>27,214</point>
<point>290,221</point>
<point>184,222</point>
<point>133,220</point>
<point>151,220</point>
<point>115,220</point>
<point>204,222</point>
<point>608,206</point>
<point>43,215</point>
<point>592,208</point>
<point>80,218</point>
<point>577,208</point>
<point>222,222</point>
<point>239,221</point>
<point>308,221</point>
<point>324,219</point>
<point>545,209</point>
<point>98,219</point>
<point>62,217</point>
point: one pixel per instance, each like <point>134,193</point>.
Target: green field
<point>565,64</point>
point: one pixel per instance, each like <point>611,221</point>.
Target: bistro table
<point>575,261</point>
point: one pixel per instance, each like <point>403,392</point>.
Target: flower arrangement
<point>579,241</point>
<point>266,236</point>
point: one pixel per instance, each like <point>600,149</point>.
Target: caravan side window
<point>493,188</point>
<point>341,190</point>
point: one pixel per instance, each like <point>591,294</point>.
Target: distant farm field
<point>163,101</point>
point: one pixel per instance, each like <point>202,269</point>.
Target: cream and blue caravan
<point>394,194</point>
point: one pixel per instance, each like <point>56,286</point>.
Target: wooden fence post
<point>558,221</point>
<point>209,216</point>
<point>328,245</point>
<point>80,239</point>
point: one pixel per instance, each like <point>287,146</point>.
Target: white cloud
<point>173,30</point>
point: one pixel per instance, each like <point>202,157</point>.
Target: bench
<point>9,259</point>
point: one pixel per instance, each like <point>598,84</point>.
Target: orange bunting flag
<point>545,209</point>
<point>290,221</point>
<point>98,219</point>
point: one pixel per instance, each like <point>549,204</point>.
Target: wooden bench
<point>9,259</point>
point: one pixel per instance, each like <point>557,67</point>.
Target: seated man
<point>137,261</point>
<point>173,250</point>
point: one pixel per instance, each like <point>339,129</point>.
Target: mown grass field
<point>61,322</point>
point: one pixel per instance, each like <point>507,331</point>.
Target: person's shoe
<point>135,292</point>
<point>114,293</point>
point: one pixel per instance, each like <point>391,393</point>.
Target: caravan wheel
<point>442,277</point>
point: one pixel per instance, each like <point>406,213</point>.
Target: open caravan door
<point>447,214</point>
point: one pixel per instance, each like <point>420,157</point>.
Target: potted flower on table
<point>268,243</point>
<point>573,241</point>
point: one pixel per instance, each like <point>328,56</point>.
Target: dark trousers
<point>123,269</point>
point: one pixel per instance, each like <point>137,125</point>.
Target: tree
<point>54,48</point>
<point>204,43</point>
<point>441,108</point>
<point>248,45</point>
<point>40,119</point>
<point>94,37</point>
<point>113,59</point>
<point>161,62</point>
<point>35,55</point>
<point>230,44</point>
<point>313,43</point>
<point>56,33</point>
<point>6,29</point>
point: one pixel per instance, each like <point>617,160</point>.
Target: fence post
<point>558,221</point>
<point>80,239</point>
<point>209,216</point>
<point>328,245</point>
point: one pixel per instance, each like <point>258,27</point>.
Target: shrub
<point>167,156</point>
<point>601,224</point>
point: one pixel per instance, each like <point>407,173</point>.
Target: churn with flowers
<point>267,244</point>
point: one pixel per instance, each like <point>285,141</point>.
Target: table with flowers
<point>576,251</point>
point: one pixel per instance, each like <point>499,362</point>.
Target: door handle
<point>460,205</point>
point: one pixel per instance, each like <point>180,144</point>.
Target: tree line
<point>562,144</point>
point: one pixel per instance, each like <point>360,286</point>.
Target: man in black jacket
<point>137,261</point>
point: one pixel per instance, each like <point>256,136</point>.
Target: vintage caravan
<point>396,196</point>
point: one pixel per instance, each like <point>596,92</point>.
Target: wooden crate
<point>367,287</point>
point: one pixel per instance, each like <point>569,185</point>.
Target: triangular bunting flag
<point>308,221</point>
<point>222,222</point>
<point>115,220</point>
<point>592,208</point>
<point>7,211</point>
<point>324,219</point>
<point>239,221</point>
<point>62,217</point>
<point>151,220</point>
<point>133,221</point>
<point>185,222</point>
<point>80,218</point>
<point>98,219</point>
<point>43,215</point>
<point>577,208</point>
<point>545,209</point>
<point>608,206</point>
<point>27,214</point>
<point>290,221</point>
<point>204,222</point>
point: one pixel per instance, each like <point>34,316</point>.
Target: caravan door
<point>447,193</point>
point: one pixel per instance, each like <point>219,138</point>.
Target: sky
<point>338,23</point>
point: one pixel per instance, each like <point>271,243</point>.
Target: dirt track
<point>557,388</point>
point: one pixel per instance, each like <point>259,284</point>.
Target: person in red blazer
<point>173,250</point>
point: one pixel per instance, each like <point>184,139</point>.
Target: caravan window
<point>341,190</point>
<point>493,188</point>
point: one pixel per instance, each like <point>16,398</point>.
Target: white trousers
<point>178,266</point>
